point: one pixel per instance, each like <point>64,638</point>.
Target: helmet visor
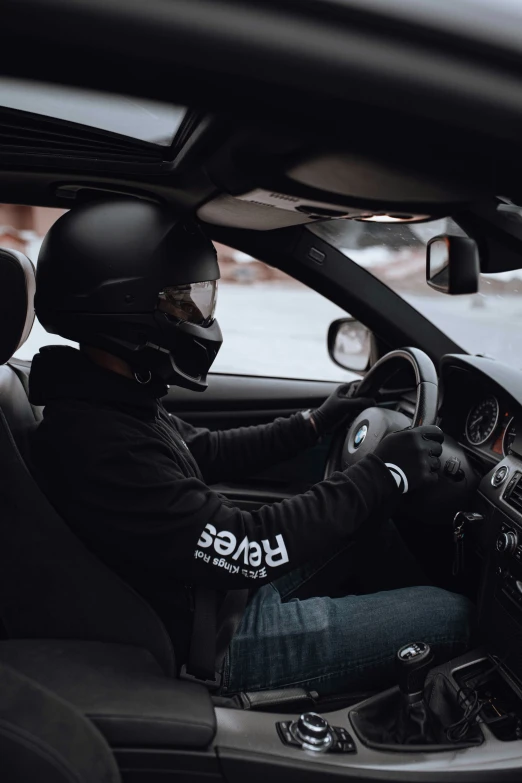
<point>195,302</point>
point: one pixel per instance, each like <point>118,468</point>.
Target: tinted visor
<point>195,302</point>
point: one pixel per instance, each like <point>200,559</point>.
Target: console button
<point>499,476</point>
<point>283,729</point>
<point>506,542</point>
<point>452,466</point>
<point>512,481</point>
<point>344,743</point>
<point>286,734</point>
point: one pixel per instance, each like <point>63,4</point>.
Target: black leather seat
<point>43,738</point>
<point>17,287</point>
<point>51,586</point>
<point>74,627</point>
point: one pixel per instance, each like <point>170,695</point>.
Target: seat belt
<point>229,617</point>
<point>212,633</point>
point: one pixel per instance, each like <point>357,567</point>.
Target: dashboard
<point>478,408</point>
<point>481,412</point>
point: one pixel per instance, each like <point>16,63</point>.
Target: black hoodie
<point>132,480</point>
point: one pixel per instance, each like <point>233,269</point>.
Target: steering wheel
<point>373,424</point>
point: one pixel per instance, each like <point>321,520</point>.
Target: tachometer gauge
<point>509,436</point>
<point>482,420</point>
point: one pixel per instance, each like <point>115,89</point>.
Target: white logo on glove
<point>399,475</point>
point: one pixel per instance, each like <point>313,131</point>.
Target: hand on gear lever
<point>413,662</point>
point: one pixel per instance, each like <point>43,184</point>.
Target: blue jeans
<point>294,633</point>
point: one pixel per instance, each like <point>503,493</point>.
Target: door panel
<point>238,400</point>
<point>244,393</point>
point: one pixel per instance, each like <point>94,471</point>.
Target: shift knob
<point>413,662</point>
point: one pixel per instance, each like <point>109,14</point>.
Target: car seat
<point>43,738</point>
<point>51,586</point>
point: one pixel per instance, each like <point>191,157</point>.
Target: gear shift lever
<point>413,715</point>
<point>413,662</point>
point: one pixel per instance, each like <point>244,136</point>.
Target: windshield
<point>395,253</point>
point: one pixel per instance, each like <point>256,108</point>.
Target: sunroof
<point>135,118</point>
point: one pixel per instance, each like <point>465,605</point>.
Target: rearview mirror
<point>350,344</point>
<point>452,265</point>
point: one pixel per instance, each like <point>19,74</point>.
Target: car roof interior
<point>409,133</point>
<point>244,174</point>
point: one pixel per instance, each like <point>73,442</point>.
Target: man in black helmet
<point>136,288</point>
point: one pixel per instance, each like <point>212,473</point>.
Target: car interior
<point>363,114</point>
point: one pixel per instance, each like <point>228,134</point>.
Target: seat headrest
<point>17,287</point>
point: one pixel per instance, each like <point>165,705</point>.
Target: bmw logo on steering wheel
<point>360,435</point>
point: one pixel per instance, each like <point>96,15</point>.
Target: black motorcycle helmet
<point>130,277</point>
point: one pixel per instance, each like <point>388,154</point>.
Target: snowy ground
<point>281,330</point>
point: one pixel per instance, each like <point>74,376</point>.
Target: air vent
<point>513,493</point>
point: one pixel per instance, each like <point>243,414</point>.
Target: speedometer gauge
<point>509,436</point>
<point>482,420</point>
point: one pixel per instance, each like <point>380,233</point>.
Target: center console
<point>492,675</point>
<point>501,594</point>
<point>254,746</point>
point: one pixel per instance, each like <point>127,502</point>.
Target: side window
<point>272,325</point>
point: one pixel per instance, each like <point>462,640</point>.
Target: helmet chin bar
<point>176,354</point>
<point>155,360</point>
<point>191,350</point>
<point>159,362</point>
<point>166,365</point>
<point>168,371</point>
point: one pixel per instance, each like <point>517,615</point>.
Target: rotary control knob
<point>313,732</point>
<point>506,542</point>
<point>499,476</point>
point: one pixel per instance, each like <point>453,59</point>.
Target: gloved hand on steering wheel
<point>338,410</point>
<point>412,456</point>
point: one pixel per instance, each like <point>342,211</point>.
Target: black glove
<point>412,456</point>
<point>338,409</point>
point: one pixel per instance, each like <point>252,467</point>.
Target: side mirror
<point>350,344</point>
<point>452,265</point>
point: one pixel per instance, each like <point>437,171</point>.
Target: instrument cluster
<point>490,427</point>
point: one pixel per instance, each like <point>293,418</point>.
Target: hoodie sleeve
<point>244,549</point>
<point>131,496</point>
<point>159,515</point>
<point>230,454</point>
